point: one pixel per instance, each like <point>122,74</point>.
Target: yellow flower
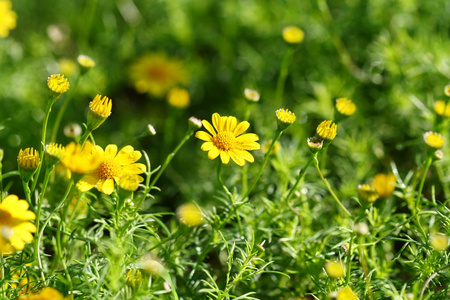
<point>434,140</point>
<point>367,193</point>
<point>293,34</point>
<point>28,161</point>
<point>384,184</point>
<point>334,269</point>
<point>15,228</point>
<point>346,293</point>
<point>190,215</point>
<point>8,18</point>
<point>58,84</point>
<point>130,182</point>
<point>134,277</point>
<point>112,167</point>
<point>284,118</point>
<point>85,61</point>
<point>155,74</point>
<point>178,97</point>
<point>99,111</point>
<point>442,109</point>
<point>439,241</point>
<point>67,66</point>
<point>54,153</point>
<point>275,149</point>
<point>345,106</point>
<point>326,131</point>
<point>226,139</point>
<point>80,160</point>
<point>46,293</point>
<point>251,95</point>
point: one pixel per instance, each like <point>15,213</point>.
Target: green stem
<point>85,136</point>
<point>27,192</point>
<point>284,70</point>
<point>266,158</point>
<point>426,164</point>
<point>300,176</point>
<point>325,181</point>
<point>62,110</point>
<point>349,259</point>
<point>44,133</point>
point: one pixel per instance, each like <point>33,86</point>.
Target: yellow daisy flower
<point>384,184</point>
<point>293,34</point>
<point>113,166</point>
<point>345,106</point>
<point>155,74</point>
<point>7,18</point>
<point>346,293</point>
<point>47,293</point>
<point>434,140</point>
<point>190,215</point>
<point>15,228</point>
<point>226,139</point>
<point>80,160</point>
<point>58,84</point>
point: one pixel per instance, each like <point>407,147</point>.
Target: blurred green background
<point>390,57</point>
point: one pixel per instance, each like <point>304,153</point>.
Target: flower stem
<point>283,74</point>
<point>299,178</point>
<point>426,166</point>
<point>266,158</point>
<point>325,181</point>
<point>85,136</point>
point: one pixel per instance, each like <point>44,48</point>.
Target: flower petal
<point>241,128</point>
<point>127,155</point>
<point>213,153</point>
<point>134,169</point>
<point>208,127</point>
<point>206,146</point>
<point>217,120</point>
<point>248,137</point>
<point>110,151</point>
<point>224,157</point>
<point>238,160</point>
<point>204,136</point>
<point>88,182</point>
<point>106,186</point>
<point>245,155</point>
<point>231,124</point>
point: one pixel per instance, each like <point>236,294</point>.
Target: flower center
<point>224,140</point>
<point>109,169</point>
<point>5,218</point>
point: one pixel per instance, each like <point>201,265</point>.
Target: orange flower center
<point>5,218</point>
<point>224,140</point>
<point>109,169</point>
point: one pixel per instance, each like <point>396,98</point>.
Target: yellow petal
<point>106,187</point>
<point>206,146</point>
<point>231,124</point>
<point>208,127</point>
<point>217,120</point>
<point>127,155</point>
<point>238,160</point>
<point>248,137</point>
<point>250,146</point>
<point>134,169</point>
<point>241,128</point>
<point>110,151</point>
<point>213,153</point>
<point>204,136</point>
<point>224,157</point>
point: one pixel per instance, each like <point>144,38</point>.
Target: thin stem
<point>325,181</point>
<point>426,164</point>
<point>299,178</point>
<point>85,136</point>
<point>284,70</point>
<point>27,192</point>
<point>43,137</point>
<point>266,158</point>
<point>427,282</point>
<point>230,196</point>
<point>349,258</point>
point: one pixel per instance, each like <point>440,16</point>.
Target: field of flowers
<point>238,149</point>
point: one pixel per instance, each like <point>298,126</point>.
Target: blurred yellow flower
<point>447,90</point>
<point>99,110</point>
<point>275,149</point>
<point>226,139</point>
<point>190,215</point>
<point>326,131</point>
<point>293,34</point>
<point>80,160</point>
<point>130,182</point>
<point>155,74</point>
<point>46,293</point>
<point>58,84</point>
<point>178,97</point>
<point>15,228</point>
<point>335,269</point>
<point>439,241</point>
<point>345,106</point>
<point>284,118</point>
<point>134,277</point>
<point>346,293</point>
<point>85,61</point>
<point>384,184</point>
<point>8,18</point>
<point>434,140</point>
<point>67,66</point>
<point>113,165</point>
<point>367,192</point>
<point>251,95</point>
<point>28,161</point>
<point>442,109</point>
